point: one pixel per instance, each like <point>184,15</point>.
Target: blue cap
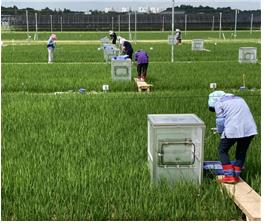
<point>214,97</point>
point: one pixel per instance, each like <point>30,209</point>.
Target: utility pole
<point>27,24</point>
<point>220,25</point>
<point>235,30</point>
<point>172,31</point>
<point>251,24</point>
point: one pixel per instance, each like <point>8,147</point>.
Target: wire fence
<point>133,20</point>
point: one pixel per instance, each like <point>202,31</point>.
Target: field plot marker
<point>245,198</point>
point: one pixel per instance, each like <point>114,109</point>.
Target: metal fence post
<point>27,24</point>
<point>220,25</point>
<point>50,23</point>
<point>172,31</point>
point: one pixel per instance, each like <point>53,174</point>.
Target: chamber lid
<point>247,48</point>
<point>175,119</point>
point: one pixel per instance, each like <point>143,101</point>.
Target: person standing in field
<point>142,59</point>
<point>126,47</point>
<point>113,36</point>
<point>178,36</point>
<point>235,124</point>
<point>51,47</point>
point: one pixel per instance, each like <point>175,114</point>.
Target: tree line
<point>183,8</point>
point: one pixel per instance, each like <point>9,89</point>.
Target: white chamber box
<point>110,51</point>
<point>121,69</point>
<point>175,147</point>
<point>197,44</point>
<point>172,39</point>
<point>105,40</point>
<point>247,55</point>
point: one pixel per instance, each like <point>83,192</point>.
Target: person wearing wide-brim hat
<point>235,124</point>
<point>51,47</point>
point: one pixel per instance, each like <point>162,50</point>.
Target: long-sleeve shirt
<point>178,35</point>
<point>113,38</point>
<point>51,43</point>
<point>233,118</point>
<point>141,57</point>
<point>127,47</point>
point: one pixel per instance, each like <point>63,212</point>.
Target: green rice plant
<point>65,53</point>
<point>58,163</point>
<point>74,156</point>
<point>164,77</point>
<point>141,35</point>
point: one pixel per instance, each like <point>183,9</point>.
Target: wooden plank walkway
<point>142,85</point>
<point>245,198</point>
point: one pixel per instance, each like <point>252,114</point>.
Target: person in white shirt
<point>51,47</point>
<point>236,124</point>
<point>178,36</point>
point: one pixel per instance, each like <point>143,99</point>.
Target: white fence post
<point>27,24</point>
<point>50,23</point>
<point>251,24</point>
<point>172,31</point>
<point>220,25</point>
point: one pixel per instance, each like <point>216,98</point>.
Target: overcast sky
<point>85,5</point>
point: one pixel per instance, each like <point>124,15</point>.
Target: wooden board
<point>245,198</point>
<point>142,85</point>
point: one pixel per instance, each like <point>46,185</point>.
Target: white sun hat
<point>214,97</point>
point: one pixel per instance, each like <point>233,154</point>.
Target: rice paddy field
<point>72,156</point>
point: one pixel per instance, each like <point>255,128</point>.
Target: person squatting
<point>113,36</point>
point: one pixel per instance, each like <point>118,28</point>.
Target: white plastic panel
<point>110,51</point>
<point>197,44</point>
<point>121,69</point>
<point>247,55</point>
<point>174,119</point>
<point>175,150</point>
<point>172,39</point>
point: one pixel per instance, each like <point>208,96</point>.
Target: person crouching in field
<point>178,36</point>
<point>126,47</point>
<point>235,124</point>
<point>51,47</point>
<point>142,59</point>
<point>113,36</point>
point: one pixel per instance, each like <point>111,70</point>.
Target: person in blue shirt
<point>51,47</point>
<point>235,124</point>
